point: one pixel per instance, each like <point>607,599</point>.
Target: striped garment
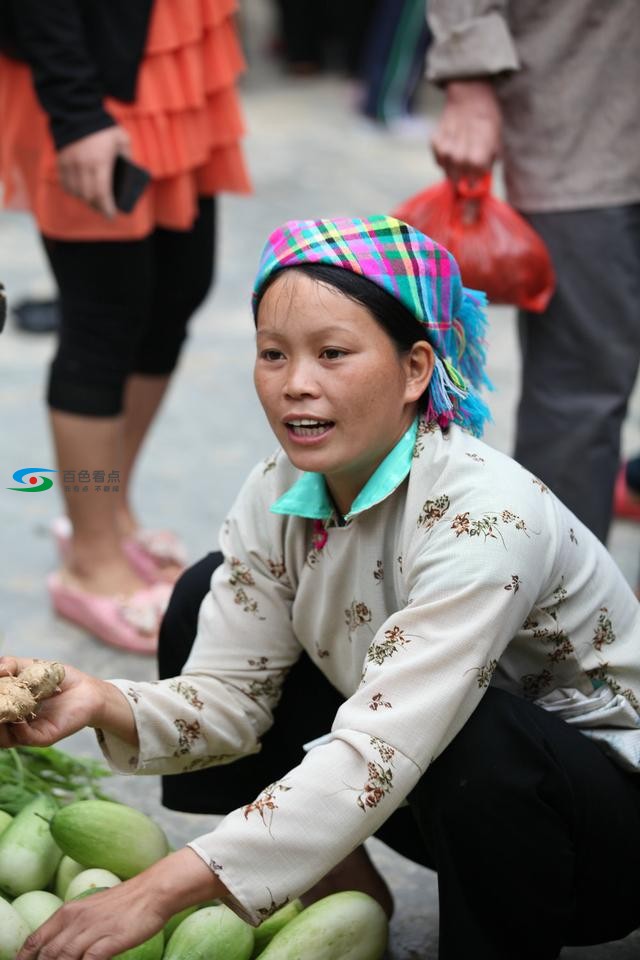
<point>419,273</point>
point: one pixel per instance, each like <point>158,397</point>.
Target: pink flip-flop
<point>150,552</point>
<point>130,623</point>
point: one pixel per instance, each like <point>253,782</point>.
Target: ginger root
<point>20,695</point>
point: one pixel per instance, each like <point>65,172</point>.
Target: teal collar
<point>309,496</point>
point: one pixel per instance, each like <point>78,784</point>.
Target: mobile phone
<point>3,308</point>
<point>129,182</point>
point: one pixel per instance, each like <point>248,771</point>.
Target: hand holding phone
<point>129,183</point>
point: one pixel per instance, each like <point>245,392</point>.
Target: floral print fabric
<point>469,573</point>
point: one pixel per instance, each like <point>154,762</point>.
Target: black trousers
<point>534,833</point>
<point>580,358</point>
<point>125,306</point>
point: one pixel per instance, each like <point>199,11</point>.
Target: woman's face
<point>335,390</point>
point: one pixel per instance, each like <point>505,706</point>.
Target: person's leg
<point>183,266</point>
<point>303,32</point>
<point>580,358</point>
<point>104,299</point>
<point>523,816</point>
<point>94,561</point>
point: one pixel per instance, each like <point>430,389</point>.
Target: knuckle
<point>53,952</point>
<point>100,952</point>
<point>32,943</point>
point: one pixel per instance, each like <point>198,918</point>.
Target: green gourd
<point>29,856</point>
<point>213,933</point>
<point>113,836</point>
<point>13,931</point>
<point>349,925</point>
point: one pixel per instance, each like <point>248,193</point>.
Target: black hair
<point>398,322</point>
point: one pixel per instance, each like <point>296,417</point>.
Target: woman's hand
<point>467,140</point>
<point>83,701</point>
<point>85,167</point>
<point>106,924</point>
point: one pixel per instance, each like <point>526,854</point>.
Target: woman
<point>438,587</point>
<point>85,84</point>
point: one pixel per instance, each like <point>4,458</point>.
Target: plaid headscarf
<point>419,273</point>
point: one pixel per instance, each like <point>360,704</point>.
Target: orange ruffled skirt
<point>185,127</point>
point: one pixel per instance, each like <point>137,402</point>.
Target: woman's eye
<point>271,355</point>
<point>332,353</point>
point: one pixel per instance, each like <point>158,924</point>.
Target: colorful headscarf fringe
<point>419,273</point>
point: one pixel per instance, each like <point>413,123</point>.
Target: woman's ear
<point>419,360</point>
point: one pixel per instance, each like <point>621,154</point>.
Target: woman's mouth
<point>307,429</point>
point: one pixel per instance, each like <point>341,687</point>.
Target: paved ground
<point>310,156</point>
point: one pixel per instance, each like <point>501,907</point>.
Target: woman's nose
<point>301,379</point>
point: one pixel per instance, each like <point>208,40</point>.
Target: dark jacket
<point>79,52</point>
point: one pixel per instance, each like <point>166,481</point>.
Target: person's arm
<point>221,705</point>
<point>52,40</point>
<point>142,906</point>
<point>471,47</point>
<point>68,86</point>
<point>83,701</point>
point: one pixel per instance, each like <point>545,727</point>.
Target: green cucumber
<point>350,925</point>
<point>176,920</point>
<point>213,933</point>
<point>36,907</point>
<point>267,930</point>
<point>29,856</point>
<point>13,931</point>
<point>67,870</point>
<point>151,949</point>
<point>113,836</point>
<point>92,879</point>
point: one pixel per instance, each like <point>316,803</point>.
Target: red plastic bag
<point>497,251</point>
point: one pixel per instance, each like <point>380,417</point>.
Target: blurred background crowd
<point>307,111</point>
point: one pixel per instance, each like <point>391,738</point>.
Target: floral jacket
<point>455,568</point>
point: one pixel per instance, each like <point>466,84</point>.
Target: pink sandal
<point>130,623</point>
<point>150,552</point>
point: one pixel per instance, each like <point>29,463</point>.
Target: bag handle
<point>473,189</point>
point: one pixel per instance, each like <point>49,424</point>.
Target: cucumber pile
<point>50,854</point>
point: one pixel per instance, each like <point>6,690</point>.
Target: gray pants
<point>580,358</point>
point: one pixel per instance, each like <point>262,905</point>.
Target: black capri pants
<point>125,305</point>
<point>533,831</point>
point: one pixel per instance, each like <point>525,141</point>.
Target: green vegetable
<point>350,926</point>
<point>149,950</point>
<point>29,856</point>
<point>100,833</point>
<point>176,920</point>
<point>93,879</point>
<point>13,931</point>
<point>213,933</point>
<point>5,820</point>
<point>36,907</point>
<point>269,927</point>
<point>27,772</point>
<point>67,870</point>
<point>89,891</point>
